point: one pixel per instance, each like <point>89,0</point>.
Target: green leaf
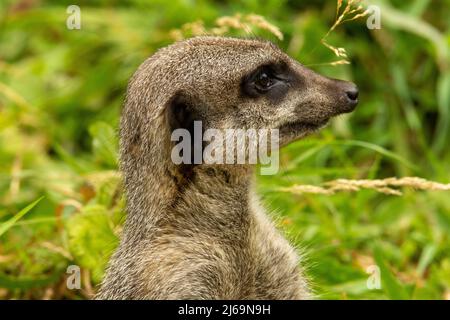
<point>417,7</point>
<point>443,99</point>
<point>355,287</point>
<point>104,143</point>
<point>427,256</point>
<point>390,284</point>
<point>27,282</point>
<point>76,163</point>
<point>91,239</point>
<point>5,226</point>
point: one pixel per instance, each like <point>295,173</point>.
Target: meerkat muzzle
<point>346,95</point>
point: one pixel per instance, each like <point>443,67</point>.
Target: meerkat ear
<point>181,113</point>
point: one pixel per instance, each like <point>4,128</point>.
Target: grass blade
<point>5,226</point>
<point>391,285</point>
<point>378,149</point>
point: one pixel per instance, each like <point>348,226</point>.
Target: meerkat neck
<point>214,196</point>
<point>216,202</point>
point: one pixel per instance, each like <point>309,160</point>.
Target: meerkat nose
<point>352,94</point>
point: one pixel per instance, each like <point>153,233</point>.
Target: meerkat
<point>198,231</point>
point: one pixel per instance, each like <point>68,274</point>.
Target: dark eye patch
<point>269,80</point>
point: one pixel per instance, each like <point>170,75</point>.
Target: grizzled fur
<point>198,231</point>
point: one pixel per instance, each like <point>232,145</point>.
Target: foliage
<point>60,96</point>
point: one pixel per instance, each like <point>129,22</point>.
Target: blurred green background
<point>60,97</point>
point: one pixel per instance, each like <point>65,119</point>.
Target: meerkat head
<point>228,83</point>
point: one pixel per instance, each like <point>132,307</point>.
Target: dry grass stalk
<point>54,248</point>
<point>14,186</point>
<point>387,186</point>
<point>225,24</point>
<point>339,62</point>
<point>351,11</point>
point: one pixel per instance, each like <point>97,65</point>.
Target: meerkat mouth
<point>293,131</point>
<point>302,126</point>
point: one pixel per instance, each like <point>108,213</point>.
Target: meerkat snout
<point>349,96</point>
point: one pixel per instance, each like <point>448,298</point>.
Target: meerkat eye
<point>263,82</point>
<point>266,80</point>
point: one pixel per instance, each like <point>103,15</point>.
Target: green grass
<point>60,98</point>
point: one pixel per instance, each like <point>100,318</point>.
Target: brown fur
<point>198,232</point>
